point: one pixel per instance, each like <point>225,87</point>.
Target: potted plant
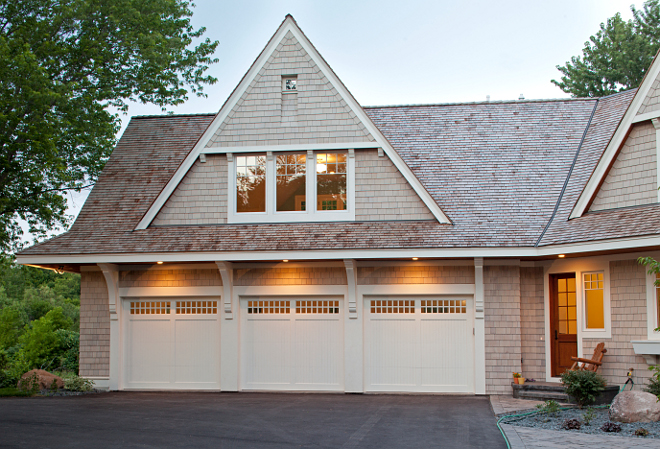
<point>516,378</point>
<point>521,380</point>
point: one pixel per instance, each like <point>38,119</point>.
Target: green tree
<point>41,343</point>
<point>11,325</point>
<point>64,65</point>
<point>616,57</point>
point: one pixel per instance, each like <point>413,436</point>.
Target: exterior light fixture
<point>285,260</point>
<point>561,256</point>
<point>415,258</point>
<point>160,262</point>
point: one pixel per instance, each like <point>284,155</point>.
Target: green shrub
<point>72,382</point>
<point>549,407</point>
<point>583,386</point>
<point>653,386</point>
<point>40,344</point>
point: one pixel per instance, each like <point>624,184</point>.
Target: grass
<point>14,392</point>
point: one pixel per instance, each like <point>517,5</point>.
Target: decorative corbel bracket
<point>227,274</point>
<point>111,274</point>
<point>351,277</point>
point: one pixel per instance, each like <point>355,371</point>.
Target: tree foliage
<point>39,321</point>
<point>616,57</point>
<point>64,65</point>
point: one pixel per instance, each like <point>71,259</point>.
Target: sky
<point>414,52</point>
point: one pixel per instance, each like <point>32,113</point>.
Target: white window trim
<point>651,308</point>
<point>606,332</point>
<point>310,215</point>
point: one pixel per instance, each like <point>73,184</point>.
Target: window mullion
<point>310,189</point>
<point>271,183</point>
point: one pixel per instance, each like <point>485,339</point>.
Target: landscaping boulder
<point>635,406</point>
<point>43,378</point>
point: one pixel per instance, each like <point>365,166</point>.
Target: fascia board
<point>311,255</point>
<point>257,66</point>
<point>615,143</point>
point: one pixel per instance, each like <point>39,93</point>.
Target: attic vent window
<point>289,83</point>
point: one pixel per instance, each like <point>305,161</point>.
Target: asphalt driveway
<point>248,420</point>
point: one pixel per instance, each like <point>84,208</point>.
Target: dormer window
<point>292,186</point>
<point>289,83</point>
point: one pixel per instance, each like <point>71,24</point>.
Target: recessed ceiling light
<point>561,256</point>
<point>415,258</point>
<point>285,260</point>
<point>160,262</point>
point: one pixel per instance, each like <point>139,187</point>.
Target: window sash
<point>311,212</point>
<point>593,285</point>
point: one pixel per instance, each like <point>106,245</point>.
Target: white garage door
<point>415,344</point>
<point>292,344</point>
<point>171,344</point>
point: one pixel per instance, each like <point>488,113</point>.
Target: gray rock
<point>635,406</point>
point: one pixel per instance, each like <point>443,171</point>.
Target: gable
<point>200,198</point>
<point>632,180</point>
<point>265,115</point>
<point>261,116</point>
<point>381,193</point>
<point>651,102</point>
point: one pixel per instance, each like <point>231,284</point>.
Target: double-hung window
<point>291,187</point>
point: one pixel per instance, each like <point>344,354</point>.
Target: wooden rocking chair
<point>593,363</point>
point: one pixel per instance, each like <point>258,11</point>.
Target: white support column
<point>479,328</point>
<point>229,338</point>
<point>111,274</point>
<point>351,277</point>
<point>656,125</point>
<point>353,334</point>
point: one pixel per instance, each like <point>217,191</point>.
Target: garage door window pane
<point>268,307</point>
<point>444,306</point>
<point>593,301</point>
<point>291,182</point>
<point>325,306</point>
<point>196,307</point>
<point>251,184</point>
<point>392,306</point>
<point>150,307</point>
<point>330,181</point>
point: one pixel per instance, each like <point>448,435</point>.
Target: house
<point>296,240</point>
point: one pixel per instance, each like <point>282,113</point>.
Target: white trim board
<point>612,149</point>
<point>632,244</point>
<point>289,25</point>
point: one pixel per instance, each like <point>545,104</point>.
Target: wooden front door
<point>563,322</point>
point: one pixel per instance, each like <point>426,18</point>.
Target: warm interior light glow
<point>415,258</point>
<point>561,256</point>
<point>160,262</point>
<point>285,260</point>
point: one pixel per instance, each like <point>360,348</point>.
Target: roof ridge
<point>199,114</point>
<point>548,100</point>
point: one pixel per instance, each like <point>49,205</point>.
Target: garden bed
<point>555,421</point>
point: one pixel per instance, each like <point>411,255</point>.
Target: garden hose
<point>508,445</point>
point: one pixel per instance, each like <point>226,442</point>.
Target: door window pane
<point>593,301</point>
<point>331,181</point>
<point>250,184</point>
<point>290,192</point>
<point>566,307</point>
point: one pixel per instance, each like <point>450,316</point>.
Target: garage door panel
<point>444,345</point>
<point>422,344</point>
<point>319,359</point>
<point>269,362</point>
<point>151,351</point>
<point>171,344</point>
<point>196,359</point>
<point>293,345</point>
<point>392,358</point>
